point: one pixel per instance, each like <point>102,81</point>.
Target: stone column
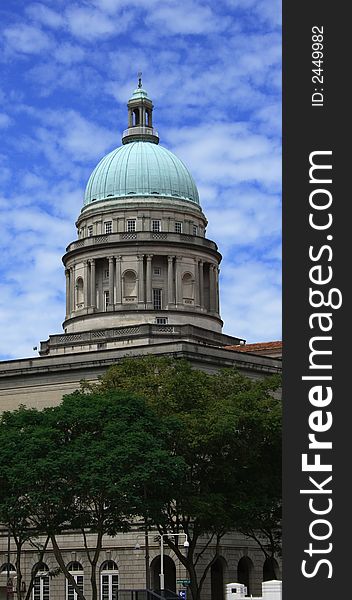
<point>85,284</point>
<point>201,283</point>
<point>111,280</point>
<point>217,297</point>
<point>68,293</point>
<point>141,278</point>
<point>212,287</point>
<point>170,281</point>
<point>149,279</point>
<point>93,298</point>
<point>118,281</point>
<point>73,289</point>
<point>178,280</point>
<point>196,282</point>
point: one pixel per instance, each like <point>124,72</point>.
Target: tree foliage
<point>187,451</point>
<point>227,430</point>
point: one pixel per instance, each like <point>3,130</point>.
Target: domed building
<point>141,278</point>
<point>142,257</point>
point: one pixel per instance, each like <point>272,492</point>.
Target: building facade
<point>142,277</point>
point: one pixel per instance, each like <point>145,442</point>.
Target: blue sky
<point>213,70</point>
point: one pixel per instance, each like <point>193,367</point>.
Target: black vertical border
<point>307,129</point>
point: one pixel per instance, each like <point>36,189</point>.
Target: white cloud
<point>186,18</point>
<point>228,154</point>
<point>251,300</point>
<point>45,15</point>
<point>26,39</point>
<point>5,120</point>
<point>90,24</point>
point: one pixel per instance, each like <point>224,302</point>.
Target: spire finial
<point>139,79</point>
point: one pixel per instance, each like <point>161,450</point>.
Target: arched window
<point>76,570</point>
<point>270,569</point>
<point>169,573</point>
<point>41,587</point>
<point>8,568</point>
<point>217,572</point>
<point>135,117</point>
<point>245,573</point>
<point>130,286</point>
<point>188,288</point>
<point>109,580</point>
<point>79,292</point>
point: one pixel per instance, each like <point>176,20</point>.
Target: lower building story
<point>122,566</point>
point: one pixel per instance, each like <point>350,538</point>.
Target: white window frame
<point>195,229</point>
<point>161,320</point>
<point>156,225</point>
<point>157,271</point>
<point>106,299</point>
<point>90,230</point>
<point>109,573</point>
<point>106,274</point>
<point>108,227</point>
<point>79,579</point>
<point>178,227</point>
<point>160,299</point>
<point>131,225</point>
<point>43,583</point>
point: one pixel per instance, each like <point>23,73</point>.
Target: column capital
<point>150,256</point>
<point>92,261</point>
<point>67,272</point>
<point>140,256</point>
<point>170,258</point>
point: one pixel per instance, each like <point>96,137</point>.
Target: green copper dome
<point>140,168</point>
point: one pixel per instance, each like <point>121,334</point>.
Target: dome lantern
<point>140,117</point>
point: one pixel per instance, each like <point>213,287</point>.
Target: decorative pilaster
<point>141,279</point>
<point>212,288</point>
<point>67,273</point>
<point>92,283</point>
<point>201,283</point>
<point>149,279</point>
<point>170,281</point>
<point>72,289</point>
<point>85,284</point>
<point>118,282</point>
<point>111,281</point>
<point>196,282</point>
<point>217,297</point>
<point>178,280</point>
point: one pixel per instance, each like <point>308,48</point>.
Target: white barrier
<point>271,590</point>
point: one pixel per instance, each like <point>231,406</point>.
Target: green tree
<point>227,430</point>
<point>85,465</point>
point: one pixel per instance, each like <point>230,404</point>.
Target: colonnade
<point>205,280</point>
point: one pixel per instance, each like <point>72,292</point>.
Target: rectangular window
<point>156,225</point>
<point>161,320</point>
<point>156,299</point>
<point>90,230</point>
<point>106,299</point>
<point>178,227</point>
<point>71,594</point>
<point>106,273</point>
<point>157,271</point>
<point>131,224</point>
<point>195,230</point>
<point>108,227</point>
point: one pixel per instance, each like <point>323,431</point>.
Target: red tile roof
<point>259,348</point>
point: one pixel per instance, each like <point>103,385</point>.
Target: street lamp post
<point>185,545</point>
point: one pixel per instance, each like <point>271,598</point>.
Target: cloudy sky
<point>68,68</point>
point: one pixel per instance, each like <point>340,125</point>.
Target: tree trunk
<point>61,563</point>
